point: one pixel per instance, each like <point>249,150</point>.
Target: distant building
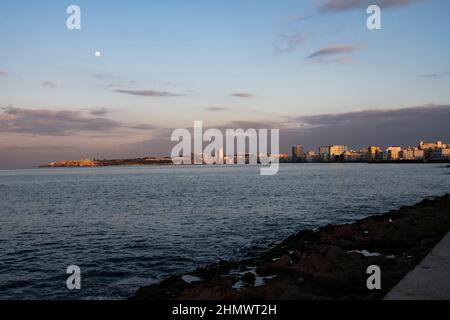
<point>411,154</point>
<point>220,156</point>
<point>440,154</point>
<point>434,151</point>
<point>324,153</point>
<point>353,156</point>
<point>311,156</point>
<point>429,145</point>
<point>393,153</point>
<point>282,157</point>
<point>445,154</point>
<point>228,159</point>
<point>406,154</point>
<point>83,162</point>
<point>374,153</point>
<point>419,154</point>
<point>297,153</point>
<point>332,152</point>
<point>216,157</point>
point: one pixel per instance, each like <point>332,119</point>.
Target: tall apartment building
<point>311,156</point>
<point>411,154</point>
<point>329,153</point>
<point>419,154</point>
<point>393,153</point>
<point>374,153</point>
<point>297,152</point>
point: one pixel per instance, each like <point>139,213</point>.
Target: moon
<point>98,54</point>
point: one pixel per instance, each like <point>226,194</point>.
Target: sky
<point>311,68</point>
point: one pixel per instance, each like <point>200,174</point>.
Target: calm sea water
<point>131,226</point>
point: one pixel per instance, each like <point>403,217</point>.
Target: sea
<point>128,227</point>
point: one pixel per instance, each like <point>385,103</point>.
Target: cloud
<point>52,122</point>
<point>217,109</point>
<point>290,42</point>
<point>112,85</point>
<point>99,111</point>
<point>3,73</point>
<point>366,117</point>
<point>332,50</point>
<point>405,126</point>
<point>108,80</point>
<point>340,60</point>
<point>298,18</point>
<point>328,54</point>
<point>142,126</point>
<point>242,95</point>
<point>347,5</point>
<point>49,84</point>
<point>37,148</point>
<point>149,93</point>
<point>435,75</point>
<point>103,76</point>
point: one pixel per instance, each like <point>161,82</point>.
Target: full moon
<point>98,54</point>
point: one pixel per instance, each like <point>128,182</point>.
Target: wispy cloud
<point>149,93</point>
<point>333,50</point>
<point>333,54</point>
<point>218,109</point>
<point>298,18</point>
<point>290,42</point>
<point>242,95</point>
<point>49,84</point>
<point>37,148</point>
<point>112,85</point>
<point>142,126</point>
<point>103,76</point>
<point>435,75</point>
<point>99,111</point>
<point>347,5</point>
<point>340,60</point>
<point>110,81</point>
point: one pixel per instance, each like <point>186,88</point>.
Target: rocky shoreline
<point>329,263</point>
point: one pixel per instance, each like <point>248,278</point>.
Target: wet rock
<point>316,264</point>
<point>249,278</point>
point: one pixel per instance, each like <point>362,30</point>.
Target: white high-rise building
<point>220,156</point>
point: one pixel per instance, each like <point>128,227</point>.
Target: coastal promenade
<point>430,280</point>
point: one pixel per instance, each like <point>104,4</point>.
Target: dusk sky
<point>311,68</point>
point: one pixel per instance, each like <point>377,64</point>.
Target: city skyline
<point>423,152</point>
<point>311,69</point>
